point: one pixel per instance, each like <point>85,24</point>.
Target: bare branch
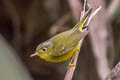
<point>99,39</point>
<point>115,73</point>
<point>70,71</point>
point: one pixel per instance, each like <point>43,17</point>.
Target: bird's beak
<point>35,54</point>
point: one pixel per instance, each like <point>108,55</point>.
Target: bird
<point>62,46</point>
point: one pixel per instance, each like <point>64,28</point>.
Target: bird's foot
<point>71,65</point>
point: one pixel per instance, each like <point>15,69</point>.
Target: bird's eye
<point>44,49</point>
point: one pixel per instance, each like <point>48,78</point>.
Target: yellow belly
<point>63,57</point>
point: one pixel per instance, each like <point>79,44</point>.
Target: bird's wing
<point>72,40</point>
<point>66,41</point>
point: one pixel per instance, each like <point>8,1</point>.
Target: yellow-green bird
<point>62,46</point>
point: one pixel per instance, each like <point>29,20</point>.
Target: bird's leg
<point>71,61</point>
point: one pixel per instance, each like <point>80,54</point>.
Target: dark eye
<point>44,49</point>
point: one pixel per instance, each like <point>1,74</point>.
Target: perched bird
<point>62,46</point>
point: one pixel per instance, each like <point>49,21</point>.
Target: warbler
<point>62,46</point>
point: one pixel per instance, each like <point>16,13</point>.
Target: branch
<point>70,71</point>
<point>115,73</point>
<point>101,40</point>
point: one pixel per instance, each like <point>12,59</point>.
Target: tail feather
<point>83,20</point>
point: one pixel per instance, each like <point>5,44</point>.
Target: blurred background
<point>26,23</point>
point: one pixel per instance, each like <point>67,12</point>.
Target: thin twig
<point>70,71</point>
<point>115,73</point>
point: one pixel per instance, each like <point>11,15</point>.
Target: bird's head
<point>43,50</point>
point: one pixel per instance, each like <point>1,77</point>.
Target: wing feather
<point>66,41</point>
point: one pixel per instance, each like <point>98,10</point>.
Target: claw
<point>71,65</point>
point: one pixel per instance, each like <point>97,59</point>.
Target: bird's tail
<point>83,20</point>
